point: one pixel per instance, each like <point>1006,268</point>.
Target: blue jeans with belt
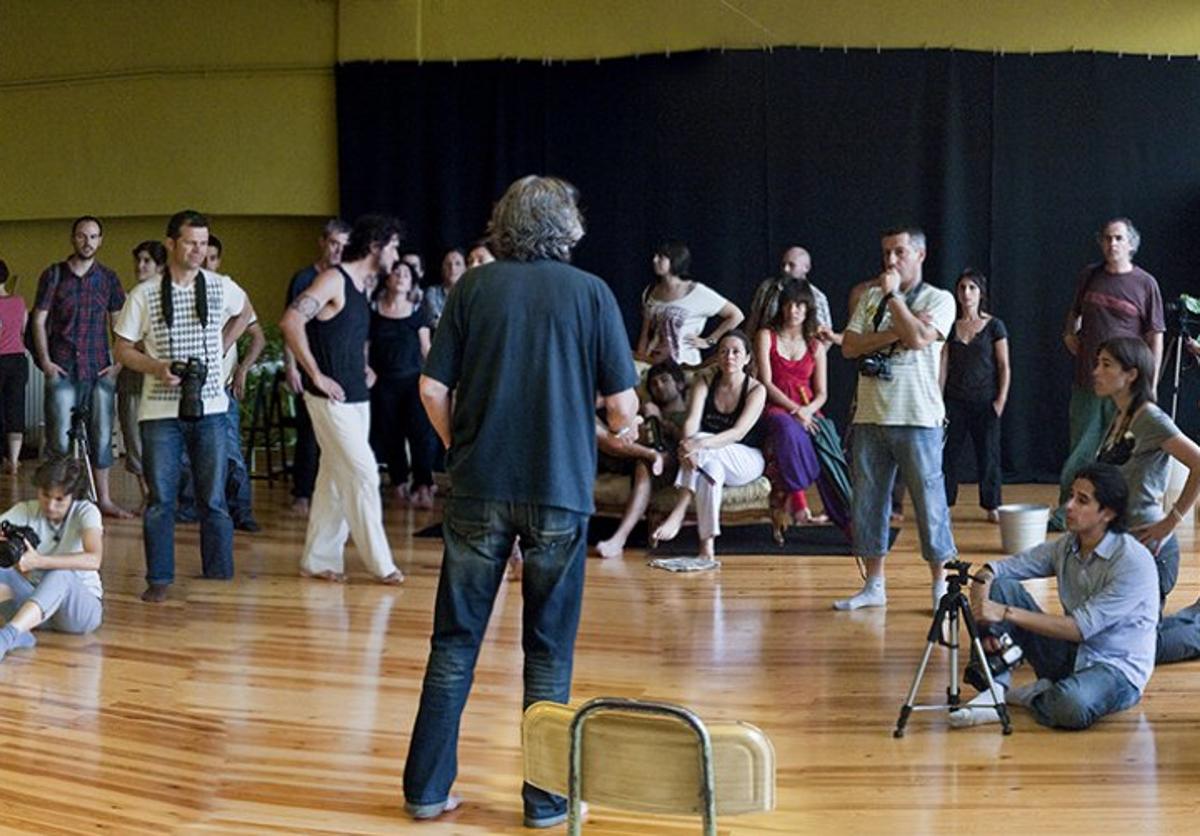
<point>478,537</point>
<point>163,444</point>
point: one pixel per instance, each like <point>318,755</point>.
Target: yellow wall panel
<point>436,30</point>
<point>231,143</point>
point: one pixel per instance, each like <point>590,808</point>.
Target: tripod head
<point>957,574</point>
<point>80,417</point>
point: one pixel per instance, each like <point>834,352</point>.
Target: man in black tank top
<point>326,330</point>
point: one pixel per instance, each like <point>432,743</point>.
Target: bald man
<point>795,264</point>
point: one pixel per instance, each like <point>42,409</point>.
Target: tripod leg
<point>977,648</point>
<point>953,697</point>
<point>910,701</point>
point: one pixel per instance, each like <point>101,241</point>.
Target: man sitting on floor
<point>652,457</point>
<point>1097,658</point>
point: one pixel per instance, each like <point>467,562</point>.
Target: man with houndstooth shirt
<point>178,319</point>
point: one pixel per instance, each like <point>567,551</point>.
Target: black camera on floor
<point>192,374</point>
<point>1007,656</point>
<point>877,365</point>
<point>12,547</point>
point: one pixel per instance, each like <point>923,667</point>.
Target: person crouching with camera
<point>1097,658</point>
<point>180,321</point>
<point>50,553</point>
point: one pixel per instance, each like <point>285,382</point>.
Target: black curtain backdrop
<point>1010,163</point>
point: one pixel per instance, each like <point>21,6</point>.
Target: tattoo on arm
<point>306,306</point>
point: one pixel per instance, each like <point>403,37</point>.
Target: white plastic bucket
<point>1022,526</point>
<point>1175,482</point>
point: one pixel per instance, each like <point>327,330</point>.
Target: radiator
<point>35,405</point>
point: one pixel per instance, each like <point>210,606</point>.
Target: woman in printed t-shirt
<point>14,371</point>
<point>675,309</point>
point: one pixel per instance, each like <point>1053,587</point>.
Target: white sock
<point>873,594</point>
<point>939,589</point>
<point>1023,695</point>
<point>978,710</point>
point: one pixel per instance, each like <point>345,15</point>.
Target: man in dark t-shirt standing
<point>334,237</point>
<point>523,346</point>
<point>1113,299</point>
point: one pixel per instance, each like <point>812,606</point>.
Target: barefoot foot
<point>325,575</point>
<point>394,579</point>
<point>112,509</point>
<point>612,547</point>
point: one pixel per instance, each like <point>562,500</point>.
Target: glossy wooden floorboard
<point>273,704</point>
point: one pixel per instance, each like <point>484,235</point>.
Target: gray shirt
<point>1113,597</point>
<point>1147,468</point>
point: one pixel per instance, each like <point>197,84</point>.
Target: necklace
<point>56,531</point>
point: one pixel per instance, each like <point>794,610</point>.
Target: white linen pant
<point>346,497</point>
<point>733,465</point>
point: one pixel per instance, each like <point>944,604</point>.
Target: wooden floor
<point>271,704</point>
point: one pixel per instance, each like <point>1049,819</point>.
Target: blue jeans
<point>1078,698</point>
<point>1179,636</point>
<point>877,454</point>
<point>99,396</point>
<point>479,535</point>
<point>163,444</point>
<point>237,480</point>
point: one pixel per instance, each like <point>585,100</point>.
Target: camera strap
<point>910,299</point>
<point>167,301</point>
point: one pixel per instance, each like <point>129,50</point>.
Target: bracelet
<point>1176,513</point>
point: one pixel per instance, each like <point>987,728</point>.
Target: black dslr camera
<point>1007,656</point>
<point>192,374</point>
<point>13,544</point>
<point>877,365</point>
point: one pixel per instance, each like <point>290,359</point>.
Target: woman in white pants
<point>56,582</point>
<point>721,442</point>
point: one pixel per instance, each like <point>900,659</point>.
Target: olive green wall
<point>132,109</point>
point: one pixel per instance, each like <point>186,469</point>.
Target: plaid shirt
<point>77,325</point>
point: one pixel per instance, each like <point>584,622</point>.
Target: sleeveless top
<point>793,377</point>
<point>337,344</point>
<point>713,420</point>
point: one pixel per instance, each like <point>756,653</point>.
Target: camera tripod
<point>951,607</point>
<point>77,446</point>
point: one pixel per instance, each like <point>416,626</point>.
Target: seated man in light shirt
<point>1096,658</point>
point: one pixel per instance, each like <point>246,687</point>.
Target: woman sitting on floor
<point>57,581</point>
<point>791,365</point>
<point>1141,441</point>
<point>720,443</point>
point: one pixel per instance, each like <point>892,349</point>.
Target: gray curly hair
<point>537,218</point>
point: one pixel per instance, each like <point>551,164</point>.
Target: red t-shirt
<point>12,324</point>
<point>1113,305</point>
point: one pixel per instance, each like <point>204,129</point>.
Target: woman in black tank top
<point>721,442</point>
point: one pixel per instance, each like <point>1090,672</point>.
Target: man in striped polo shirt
<point>896,334</point>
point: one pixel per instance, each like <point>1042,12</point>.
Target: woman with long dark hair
<point>399,341</point>
<point>792,367</point>
<point>721,441</point>
<point>1141,440</point>
<point>975,376</point>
